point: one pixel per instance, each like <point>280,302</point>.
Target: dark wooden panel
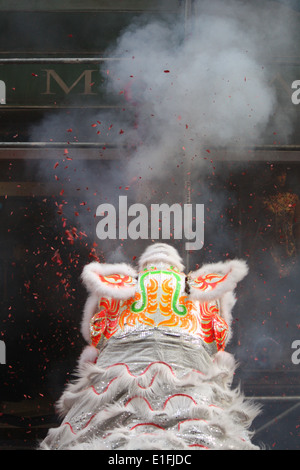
<point>94,5</point>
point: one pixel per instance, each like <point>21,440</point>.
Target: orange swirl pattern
<point>165,305</point>
<point>188,321</point>
<point>213,327</point>
<point>202,320</point>
<point>132,318</point>
<point>97,326</point>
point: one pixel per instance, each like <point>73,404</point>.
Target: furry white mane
<point>235,270</point>
<point>161,252</point>
<point>91,281</point>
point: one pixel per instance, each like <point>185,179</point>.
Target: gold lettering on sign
<point>86,75</point>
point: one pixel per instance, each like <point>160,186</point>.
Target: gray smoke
<point>184,89</point>
<point>202,85</point>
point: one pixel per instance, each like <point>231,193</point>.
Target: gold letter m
<point>87,74</point>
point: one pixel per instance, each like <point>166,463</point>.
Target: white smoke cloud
<point>184,88</point>
<point>210,87</point>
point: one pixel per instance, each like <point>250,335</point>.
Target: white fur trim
<point>227,302</point>
<point>93,284</point>
<point>236,270</point>
<point>89,354</point>
<point>161,252</point>
<point>89,310</point>
<point>225,360</point>
<point>213,385</point>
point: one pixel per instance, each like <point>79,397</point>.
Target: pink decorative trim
<point>199,445</point>
<point>147,424</point>
<point>86,424</point>
<point>142,398</point>
<point>179,395</point>
<point>192,419</point>
<point>105,390</point>
<point>144,372</point>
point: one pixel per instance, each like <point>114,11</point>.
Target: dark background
<point>43,249</point>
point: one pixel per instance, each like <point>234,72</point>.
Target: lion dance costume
<point>155,374</point>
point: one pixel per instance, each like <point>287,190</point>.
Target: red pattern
<point>213,327</point>
<point>144,372</point>
<point>147,424</point>
<point>85,426</point>
<point>208,282</point>
<point>106,321</point>
<point>117,280</point>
